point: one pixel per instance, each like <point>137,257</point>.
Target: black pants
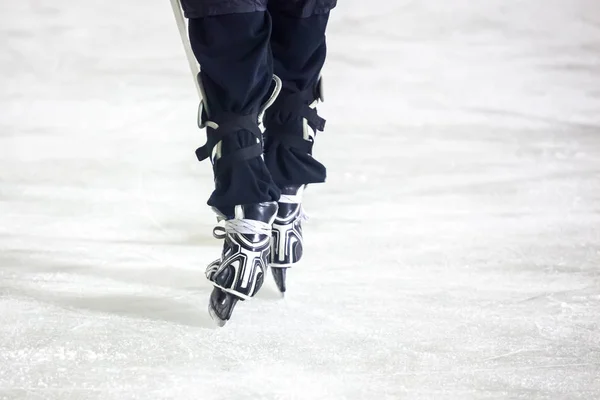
<point>297,8</point>
<point>239,44</point>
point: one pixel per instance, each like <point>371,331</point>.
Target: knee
<point>302,8</point>
<point>207,8</point>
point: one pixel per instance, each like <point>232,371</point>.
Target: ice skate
<point>239,273</point>
<point>235,146</point>
<point>287,244</point>
<point>292,124</point>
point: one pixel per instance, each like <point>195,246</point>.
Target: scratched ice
<point>453,254</point>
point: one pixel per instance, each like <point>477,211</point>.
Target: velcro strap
<point>295,141</point>
<point>246,153</point>
<point>310,114</point>
<point>227,124</point>
<point>294,104</point>
<point>203,152</point>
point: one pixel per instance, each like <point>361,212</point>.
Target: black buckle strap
<point>290,104</point>
<point>224,125</point>
<point>286,112</point>
<point>293,141</point>
<point>243,154</point>
<point>310,114</point>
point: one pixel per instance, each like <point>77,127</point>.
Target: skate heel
<point>288,244</point>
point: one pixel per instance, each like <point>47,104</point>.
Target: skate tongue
<point>291,194</point>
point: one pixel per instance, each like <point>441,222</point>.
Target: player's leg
<point>299,50</point>
<point>231,44</point>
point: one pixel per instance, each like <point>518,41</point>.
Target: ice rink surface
<point>453,254</point>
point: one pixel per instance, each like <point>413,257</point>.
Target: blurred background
<point>453,253</point>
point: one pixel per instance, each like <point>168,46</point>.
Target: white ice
<point>453,254</point>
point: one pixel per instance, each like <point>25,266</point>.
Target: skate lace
<point>245,226</point>
<point>303,215</point>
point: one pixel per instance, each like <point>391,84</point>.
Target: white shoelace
<point>245,226</point>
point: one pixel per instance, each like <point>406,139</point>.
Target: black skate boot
<point>287,245</point>
<point>239,273</point>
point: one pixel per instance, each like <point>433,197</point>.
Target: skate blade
<point>220,322</point>
<point>221,305</point>
<point>279,275</point>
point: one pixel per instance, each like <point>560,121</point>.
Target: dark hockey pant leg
<point>299,50</point>
<point>236,74</point>
<point>302,8</point>
<point>206,8</point>
<point>298,8</point>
